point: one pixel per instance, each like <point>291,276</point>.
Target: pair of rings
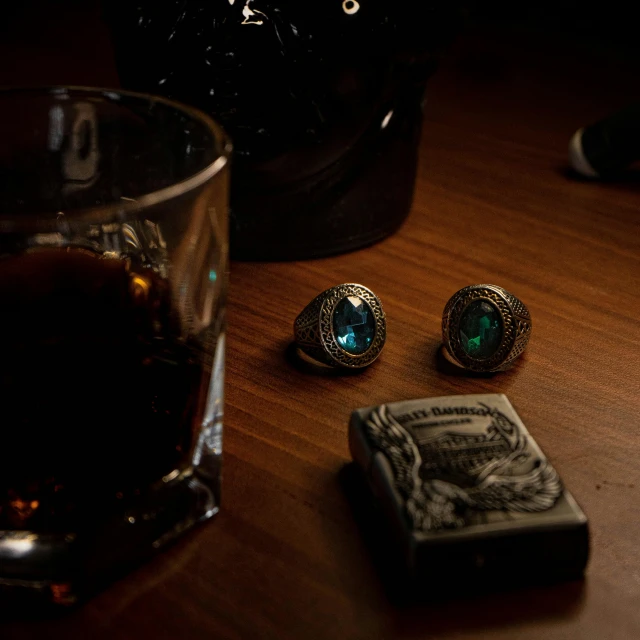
<point>484,327</point>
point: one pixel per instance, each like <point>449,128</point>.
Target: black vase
<point>322,99</point>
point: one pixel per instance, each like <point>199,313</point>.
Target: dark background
<point>66,41</point>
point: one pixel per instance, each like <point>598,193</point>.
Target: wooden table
<point>285,558</point>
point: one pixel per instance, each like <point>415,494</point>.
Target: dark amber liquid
<point>98,391</point>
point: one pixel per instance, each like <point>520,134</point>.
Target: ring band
<point>344,326</point>
<point>485,328</point>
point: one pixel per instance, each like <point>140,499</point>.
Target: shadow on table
<point>442,612</point>
<point>303,363</point>
<point>626,177</point>
<point>442,361</point>
<point>110,592</point>
<point>444,364</point>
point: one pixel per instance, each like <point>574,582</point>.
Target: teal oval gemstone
<point>480,329</point>
<point>354,325</point>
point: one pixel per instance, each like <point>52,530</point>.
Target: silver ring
<point>344,326</point>
<point>485,328</point>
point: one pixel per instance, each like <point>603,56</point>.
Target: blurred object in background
<point>316,172</point>
<point>322,100</point>
<point>608,147</point>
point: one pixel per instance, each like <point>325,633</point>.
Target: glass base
<point>64,568</point>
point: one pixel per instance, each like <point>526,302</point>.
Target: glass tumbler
<point>113,278</point>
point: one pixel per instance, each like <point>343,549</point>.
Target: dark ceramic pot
<point>322,99</point>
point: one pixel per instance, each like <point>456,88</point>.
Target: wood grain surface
<point>286,558</point>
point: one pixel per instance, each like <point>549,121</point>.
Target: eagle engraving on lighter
<point>460,477</point>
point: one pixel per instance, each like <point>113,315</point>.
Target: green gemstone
<point>480,329</point>
<point>354,325</point>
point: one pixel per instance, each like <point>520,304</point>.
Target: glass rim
<point>109,211</point>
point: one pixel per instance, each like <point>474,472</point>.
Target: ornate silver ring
<point>485,328</point>
<point>344,326</point>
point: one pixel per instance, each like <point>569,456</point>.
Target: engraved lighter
<point>470,495</point>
